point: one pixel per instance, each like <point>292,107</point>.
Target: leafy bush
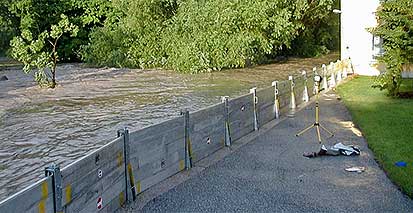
<point>37,16</point>
<point>202,36</point>
<point>320,32</point>
<point>395,26</point>
<point>212,35</point>
<point>134,38</point>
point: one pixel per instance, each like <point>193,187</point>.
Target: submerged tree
<point>40,53</point>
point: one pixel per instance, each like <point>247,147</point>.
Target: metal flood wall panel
<point>265,105</point>
<point>241,116</point>
<point>310,85</point>
<point>284,93</point>
<point>98,176</point>
<point>284,87</point>
<point>207,131</point>
<point>157,152</point>
<point>35,198</point>
<point>298,89</point>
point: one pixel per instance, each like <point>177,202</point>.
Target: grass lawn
<point>387,124</point>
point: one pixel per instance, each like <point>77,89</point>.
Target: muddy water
<point>40,126</point>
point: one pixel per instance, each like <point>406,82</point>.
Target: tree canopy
<point>184,35</point>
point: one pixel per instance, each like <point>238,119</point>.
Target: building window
<point>377,46</point>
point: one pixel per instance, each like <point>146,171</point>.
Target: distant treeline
<point>184,35</point>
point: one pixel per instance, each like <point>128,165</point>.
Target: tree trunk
<point>53,85</point>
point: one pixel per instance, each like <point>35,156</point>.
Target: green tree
<point>320,31</point>
<point>395,26</point>
<point>9,25</point>
<point>37,16</point>
<point>41,52</point>
<point>202,36</point>
<point>132,35</point>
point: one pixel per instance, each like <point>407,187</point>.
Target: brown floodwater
<point>41,126</point>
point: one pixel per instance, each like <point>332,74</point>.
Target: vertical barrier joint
<point>54,171</point>
<point>188,148</point>
<point>292,85</point>
<point>305,91</point>
<point>129,182</point>
<point>253,91</point>
<point>224,100</point>
<point>276,100</point>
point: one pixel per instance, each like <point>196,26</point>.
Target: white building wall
<point>356,17</point>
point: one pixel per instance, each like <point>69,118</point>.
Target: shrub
<point>395,26</point>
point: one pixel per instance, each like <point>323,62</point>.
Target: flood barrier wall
<point>109,177</point>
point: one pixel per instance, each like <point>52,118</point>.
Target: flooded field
<point>41,126</point>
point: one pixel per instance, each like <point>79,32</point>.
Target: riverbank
<point>8,63</point>
<point>387,125</point>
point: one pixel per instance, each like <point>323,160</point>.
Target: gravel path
<point>269,174</point>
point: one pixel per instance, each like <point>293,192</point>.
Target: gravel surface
<point>269,174</point>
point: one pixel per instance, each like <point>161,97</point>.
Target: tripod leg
<point>328,131</point>
<point>304,130</point>
<point>318,133</point>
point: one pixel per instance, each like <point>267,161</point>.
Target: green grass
<point>387,124</point>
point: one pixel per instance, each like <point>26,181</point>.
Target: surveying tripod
<point>317,125</point>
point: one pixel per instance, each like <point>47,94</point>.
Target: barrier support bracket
<point>228,141</point>
<point>253,91</point>
<point>54,171</point>
<point>292,85</point>
<point>130,190</point>
<point>276,100</point>
<point>305,91</point>
<point>188,147</point>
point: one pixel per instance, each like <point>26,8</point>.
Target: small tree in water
<point>41,53</point>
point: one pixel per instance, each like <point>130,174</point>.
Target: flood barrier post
<point>315,73</point>
<point>333,78</point>
<point>339,77</point>
<point>305,91</point>
<point>130,189</point>
<point>224,100</point>
<point>276,100</point>
<point>344,65</point>
<point>188,147</point>
<point>325,83</point>
<point>253,91</point>
<point>292,85</point>
<point>54,171</point>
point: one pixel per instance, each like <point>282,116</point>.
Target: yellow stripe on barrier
<point>138,187</point>
<point>68,193</point>
<point>44,190</point>
<point>42,206</point>
<point>121,198</point>
<point>120,159</point>
<point>181,165</point>
<point>191,155</point>
<point>132,179</point>
<point>42,203</point>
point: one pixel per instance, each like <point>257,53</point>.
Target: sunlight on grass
<point>387,124</point>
